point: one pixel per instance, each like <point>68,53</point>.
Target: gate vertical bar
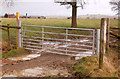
<point>19,35</point>
<point>66,39</point>
<point>42,36</point>
<point>22,36</point>
<point>93,50</point>
<point>98,42</point>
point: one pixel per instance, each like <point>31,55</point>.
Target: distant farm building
<point>11,15</point>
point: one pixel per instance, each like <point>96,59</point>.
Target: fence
<point>7,29</point>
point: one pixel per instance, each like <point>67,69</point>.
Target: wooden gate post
<point>108,35</point>
<point>102,41</point>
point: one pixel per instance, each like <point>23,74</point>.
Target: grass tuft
<point>13,52</point>
<point>84,66</point>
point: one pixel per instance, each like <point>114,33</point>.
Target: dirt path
<point>45,60</point>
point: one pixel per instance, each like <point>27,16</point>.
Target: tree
<point>74,4</point>
<point>7,3</point>
<point>10,2</point>
<point>116,5</point>
<point>6,15</point>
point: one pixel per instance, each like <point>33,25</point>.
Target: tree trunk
<point>74,15</point>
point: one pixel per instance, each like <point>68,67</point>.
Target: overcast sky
<point>49,8</point>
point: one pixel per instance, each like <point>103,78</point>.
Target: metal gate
<point>59,40</point>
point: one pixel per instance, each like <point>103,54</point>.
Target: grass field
<point>82,23</point>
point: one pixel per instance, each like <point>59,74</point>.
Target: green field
<point>82,23</point>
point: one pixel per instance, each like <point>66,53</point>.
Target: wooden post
<point>8,29</point>
<point>108,36</point>
<point>102,41</point>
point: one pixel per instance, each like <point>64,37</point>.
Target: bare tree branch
<point>80,3</point>
<point>116,5</point>
<point>7,3</point>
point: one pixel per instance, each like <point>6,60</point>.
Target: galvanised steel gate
<point>59,40</point>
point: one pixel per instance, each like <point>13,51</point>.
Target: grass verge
<point>89,66</point>
<point>14,52</point>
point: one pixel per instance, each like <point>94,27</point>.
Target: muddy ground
<point>46,60</point>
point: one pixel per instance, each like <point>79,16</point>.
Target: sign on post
<point>17,15</point>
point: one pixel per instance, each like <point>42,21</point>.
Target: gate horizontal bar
<point>32,40</point>
<point>31,43</point>
<point>80,45</point>
<point>32,46</point>
<point>72,48</point>
<point>32,49</point>
<point>57,39</point>
<point>55,27</point>
<point>63,50</point>
<point>67,54</point>
<point>58,33</point>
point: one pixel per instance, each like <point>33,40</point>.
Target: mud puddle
<point>39,72</point>
<point>26,57</point>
